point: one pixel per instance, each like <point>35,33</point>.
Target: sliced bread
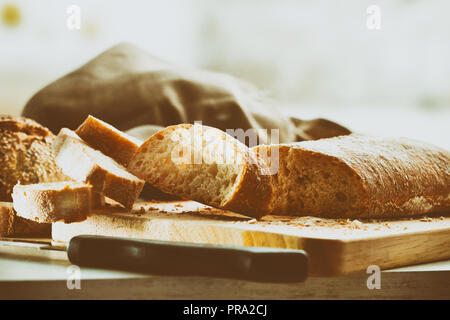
<point>109,140</point>
<point>207,165</point>
<point>120,146</point>
<point>13,225</point>
<point>83,163</point>
<point>358,176</point>
<point>51,202</point>
<point>25,154</point>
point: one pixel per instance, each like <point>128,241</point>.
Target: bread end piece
<point>51,202</point>
<point>13,225</point>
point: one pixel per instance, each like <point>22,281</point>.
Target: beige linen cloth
<point>135,91</point>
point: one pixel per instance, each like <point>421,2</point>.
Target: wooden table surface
<point>31,278</point>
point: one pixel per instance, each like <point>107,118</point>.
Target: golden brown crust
<point>400,176</point>
<point>22,124</point>
<point>109,140</point>
<point>120,189</point>
<point>6,218</point>
<point>25,227</point>
<point>12,224</point>
<point>254,192</point>
<point>120,147</point>
<point>25,155</point>
<point>393,177</point>
<point>83,163</point>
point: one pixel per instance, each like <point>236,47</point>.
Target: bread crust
<point>73,155</point>
<point>12,224</point>
<point>71,203</point>
<point>109,140</point>
<point>252,194</point>
<point>25,155</point>
<point>395,177</point>
<point>25,125</point>
<point>6,219</point>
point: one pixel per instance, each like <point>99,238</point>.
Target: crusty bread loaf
<point>56,201</point>
<point>109,140</point>
<point>25,154</point>
<point>81,162</point>
<point>12,224</point>
<point>206,165</point>
<point>359,176</point>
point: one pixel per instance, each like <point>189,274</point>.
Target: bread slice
<point>358,176</point>
<point>13,225</point>
<point>120,146</point>
<point>109,140</point>
<point>51,202</point>
<point>82,163</point>
<point>206,165</point>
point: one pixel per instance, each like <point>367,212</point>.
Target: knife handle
<point>189,259</point>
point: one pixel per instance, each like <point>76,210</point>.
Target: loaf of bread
<point>358,176</point>
<point>25,155</point>
<point>12,224</point>
<point>109,140</point>
<point>56,201</point>
<point>206,165</point>
<point>85,164</point>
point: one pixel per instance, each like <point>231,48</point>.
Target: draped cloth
<point>140,93</point>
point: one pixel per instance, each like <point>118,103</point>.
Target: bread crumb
<point>356,224</point>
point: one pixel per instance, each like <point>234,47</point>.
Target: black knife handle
<point>179,258</point>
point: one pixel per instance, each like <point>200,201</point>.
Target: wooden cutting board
<point>335,246</point>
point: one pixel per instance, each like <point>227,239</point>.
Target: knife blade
<point>185,259</point>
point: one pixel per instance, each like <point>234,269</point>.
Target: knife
<point>183,259</point>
